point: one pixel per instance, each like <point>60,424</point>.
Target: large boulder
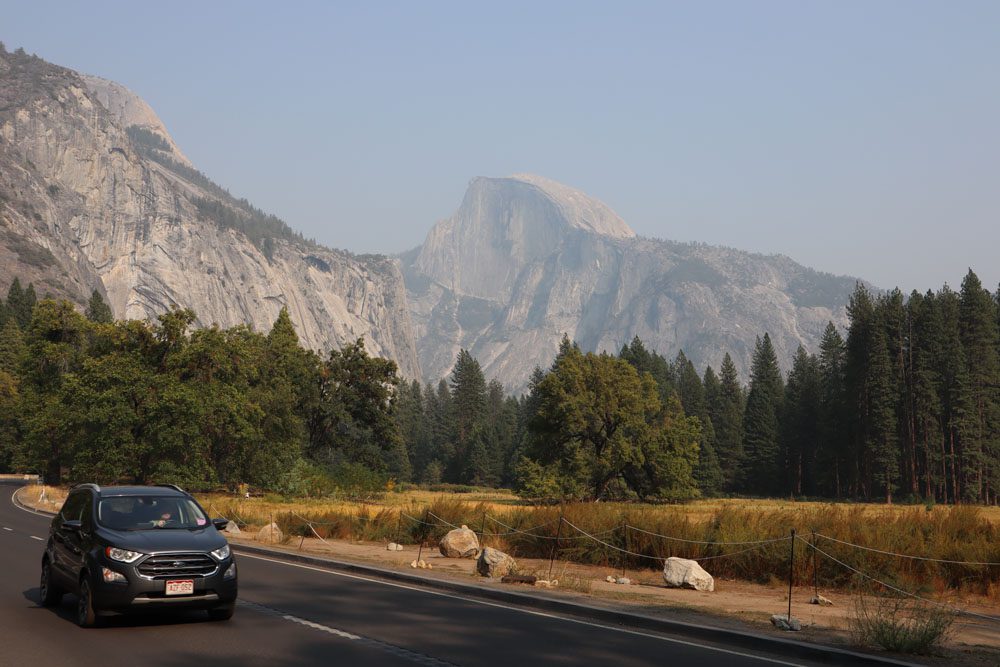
<point>494,563</point>
<point>459,543</point>
<point>684,573</point>
<point>270,534</point>
<point>232,528</point>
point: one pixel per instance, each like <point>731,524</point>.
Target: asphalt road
<point>298,615</point>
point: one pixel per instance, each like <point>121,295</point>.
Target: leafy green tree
<point>98,310</point>
<point>595,416</point>
<point>761,470</point>
<point>358,398</point>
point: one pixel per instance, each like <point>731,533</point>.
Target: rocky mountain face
<point>525,260</point>
<point>94,194</point>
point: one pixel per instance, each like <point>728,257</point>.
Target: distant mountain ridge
<point>525,260</point>
<point>94,194</point>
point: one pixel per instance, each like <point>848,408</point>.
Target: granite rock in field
<point>270,534</point>
<point>459,543</point>
<point>494,563</point>
<point>684,573</point>
<point>787,623</point>
<point>232,528</point>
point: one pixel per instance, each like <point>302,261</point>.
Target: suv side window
<point>72,509</point>
<point>87,513</point>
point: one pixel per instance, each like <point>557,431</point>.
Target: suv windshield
<point>149,513</point>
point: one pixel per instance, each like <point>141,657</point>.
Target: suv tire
<point>50,593</point>
<point>86,617</point>
<point>222,613</point>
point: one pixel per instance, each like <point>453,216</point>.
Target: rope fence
<point>616,542</point>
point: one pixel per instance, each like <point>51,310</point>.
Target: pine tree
<point>726,411</point>
<point>20,303</point>
<point>98,310</point>
<point>882,439</point>
<point>953,392</point>
<point>925,341</point>
<point>692,395</point>
<point>12,348</point>
<point>980,340</point>
<point>800,429</point>
<point>761,470</point>
<point>860,347</point>
<point>833,447</point>
<point>468,404</point>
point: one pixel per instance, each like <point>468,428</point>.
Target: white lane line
<point>10,529</point>
<point>527,611</point>
<point>35,537</point>
<point>317,626</point>
<point>25,509</point>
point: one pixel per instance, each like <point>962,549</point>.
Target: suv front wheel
<point>86,617</point>
<point>50,594</point>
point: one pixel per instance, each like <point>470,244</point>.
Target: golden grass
<point>963,533</point>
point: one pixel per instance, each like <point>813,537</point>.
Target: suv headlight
<point>221,554</point>
<point>122,555</point>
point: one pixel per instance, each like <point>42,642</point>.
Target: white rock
<point>270,534</point>
<point>459,543</point>
<point>609,579</point>
<point>684,573</point>
<point>624,581</point>
<point>232,528</point>
<point>494,563</point>
<point>783,622</point>
<point>822,601</point>
<point>413,564</point>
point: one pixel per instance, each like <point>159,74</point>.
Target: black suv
<point>127,548</point>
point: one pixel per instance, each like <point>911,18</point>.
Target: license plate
<point>180,587</point>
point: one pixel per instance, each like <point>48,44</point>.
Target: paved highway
<point>299,615</point>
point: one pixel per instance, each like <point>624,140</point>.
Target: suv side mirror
<point>73,525</point>
<point>220,524</point>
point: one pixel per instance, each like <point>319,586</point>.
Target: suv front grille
<point>166,566</point>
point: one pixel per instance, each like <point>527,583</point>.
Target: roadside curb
<point>706,633</point>
<point>788,648</point>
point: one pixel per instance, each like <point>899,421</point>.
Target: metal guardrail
<point>30,479</point>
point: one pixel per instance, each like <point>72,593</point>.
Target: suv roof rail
<point>172,486</point>
<point>88,485</point>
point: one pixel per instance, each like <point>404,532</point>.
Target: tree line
<point>905,404</point>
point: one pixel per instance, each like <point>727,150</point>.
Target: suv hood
<point>158,540</point>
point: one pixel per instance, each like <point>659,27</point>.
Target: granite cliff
<point>94,194</point>
<point>525,260</point>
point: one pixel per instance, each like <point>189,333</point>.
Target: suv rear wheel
<point>49,592</point>
<point>85,615</point>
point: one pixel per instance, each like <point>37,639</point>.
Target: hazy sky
<point>860,138</point>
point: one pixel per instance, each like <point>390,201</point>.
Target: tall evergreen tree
<point>953,393</point>
<point>726,411</point>
<point>980,341</point>
<point>692,395</point>
<point>882,437</point>
<point>833,448</point>
<point>468,404</point>
<point>98,310</point>
<point>761,470</point>
<point>11,348</point>
<point>800,428</point>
